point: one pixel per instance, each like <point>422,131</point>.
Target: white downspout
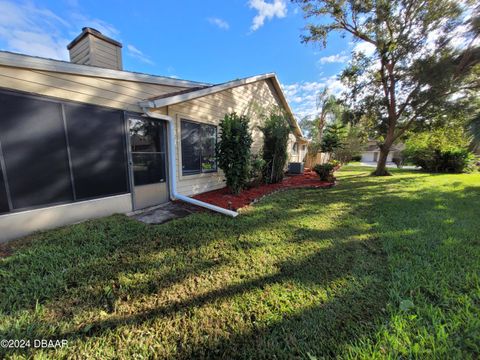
<point>172,168</point>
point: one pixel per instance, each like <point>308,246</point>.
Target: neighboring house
<point>84,139</point>
<point>372,152</point>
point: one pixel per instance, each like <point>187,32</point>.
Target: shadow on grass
<point>350,269</point>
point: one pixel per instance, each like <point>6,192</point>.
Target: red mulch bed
<point>223,198</point>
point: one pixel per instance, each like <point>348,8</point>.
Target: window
<point>198,148</point>
<point>295,148</point>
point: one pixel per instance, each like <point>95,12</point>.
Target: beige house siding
<point>251,99</point>
<point>118,94</point>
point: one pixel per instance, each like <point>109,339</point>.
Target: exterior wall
<point>118,94</point>
<point>23,223</point>
<point>97,52</point>
<point>80,53</point>
<point>251,99</point>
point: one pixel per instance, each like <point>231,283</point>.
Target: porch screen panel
<point>3,195</point>
<point>97,149</point>
<point>34,148</point>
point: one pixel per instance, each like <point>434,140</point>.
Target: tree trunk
<point>381,169</point>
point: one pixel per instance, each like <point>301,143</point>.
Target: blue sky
<point>209,41</point>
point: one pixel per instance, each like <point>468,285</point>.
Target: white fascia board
<point>37,63</point>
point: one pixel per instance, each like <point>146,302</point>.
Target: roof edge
<point>175,99</point>
<point>179,98</point>
<point>11,59</point>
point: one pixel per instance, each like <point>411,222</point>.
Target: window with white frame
<point>198,147</point>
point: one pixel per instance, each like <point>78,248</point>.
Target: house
<point>372,152</point>
<point>85,139</point>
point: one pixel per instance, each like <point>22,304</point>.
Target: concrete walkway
<point>389,165</point>
<point>165,212</point>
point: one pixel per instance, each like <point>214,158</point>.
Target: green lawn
<point>372,268</point>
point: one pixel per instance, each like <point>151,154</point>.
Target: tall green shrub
<point>440,150</point>
<point>275,131</point>
<point>233,151</point>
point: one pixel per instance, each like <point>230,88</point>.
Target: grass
<point>373,268</point>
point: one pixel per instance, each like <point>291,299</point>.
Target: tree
<point>233,151</point>
<point>420,57</point>
<point>475,130</point>
<point>333,138</point>
<point>353,144</point>
<point>329,109</point>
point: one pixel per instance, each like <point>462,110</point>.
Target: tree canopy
<point>425,54</point>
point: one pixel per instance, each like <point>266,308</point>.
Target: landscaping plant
<point>353,140</point>
<point>333,138</point>
<point>275,131</point>
<point>440,150</point>
<point>257,165</point>
<point>233,150</point>
<point>375,268</point>
<point>410,56</point>
<point>325,171</point>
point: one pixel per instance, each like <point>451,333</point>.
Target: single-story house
<point>85,139</point>
<point>372,152</point>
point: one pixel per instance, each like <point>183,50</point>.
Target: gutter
<point>172,168</point>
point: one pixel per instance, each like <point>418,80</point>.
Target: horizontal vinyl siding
<point>251,99</point>
<point>118,94</point>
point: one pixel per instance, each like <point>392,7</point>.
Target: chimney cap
<point>93,32</point>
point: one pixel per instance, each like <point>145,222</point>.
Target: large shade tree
<point>424,53</point>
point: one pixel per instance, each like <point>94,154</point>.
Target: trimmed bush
<point>325,171</point>
<point>233,151</point>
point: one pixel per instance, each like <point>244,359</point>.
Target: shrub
<point>233,151</point>
<point>441,150</point>
<point>357,157</point>
<point>257,165</point>
<point>325,171</point>
<point>275,143</point>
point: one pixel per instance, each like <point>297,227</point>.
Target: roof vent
<point>91,47</point>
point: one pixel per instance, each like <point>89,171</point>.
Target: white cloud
<point>364,47</point>
<point>337,58</point>
<point>278,8</point>
<point>302,96</point>
<point>137,54</point>
<point>220,23</point>
<point>33,30</point>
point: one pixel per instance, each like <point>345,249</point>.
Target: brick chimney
<point>93,48</point>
